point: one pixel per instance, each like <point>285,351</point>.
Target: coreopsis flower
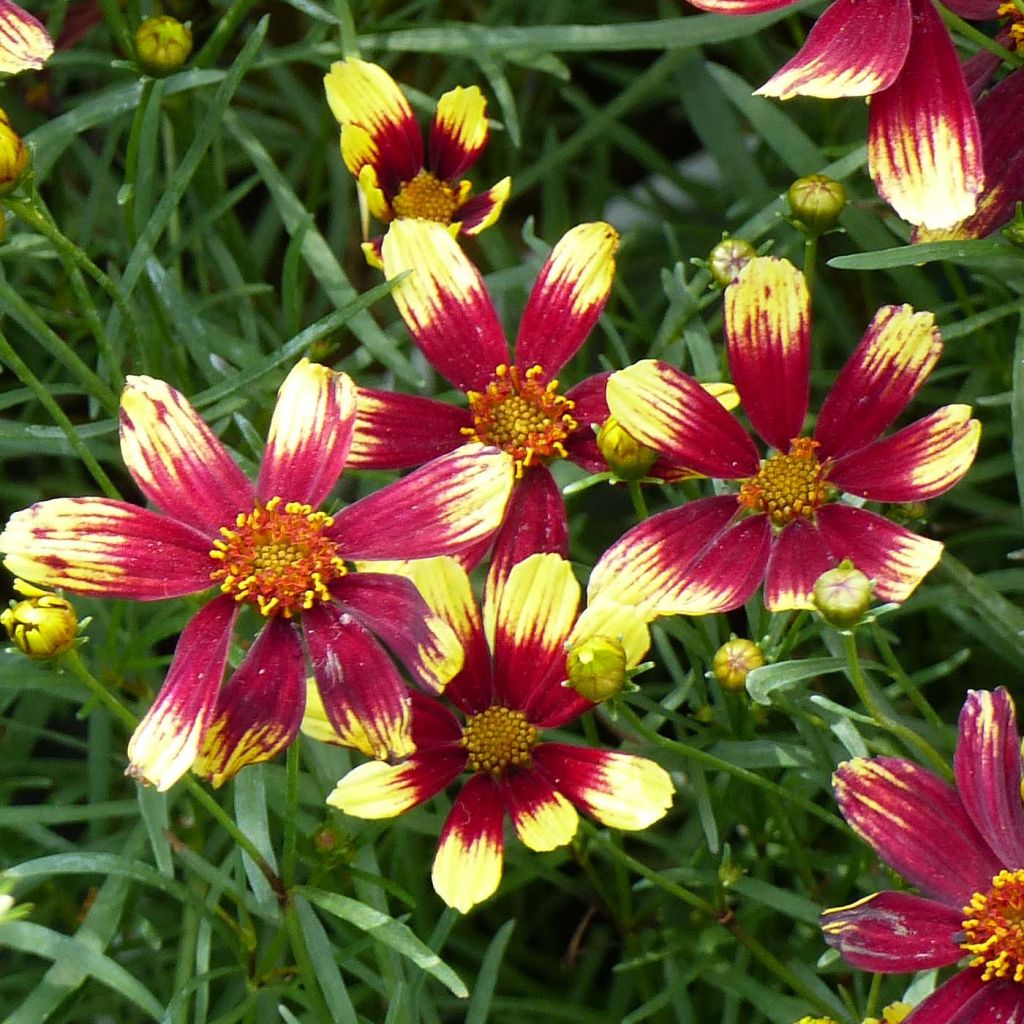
<point>510,689</point>
<point>924,146</point>
<point>24,42</point>
<point>382,146</point>
<point>515,404</point>
<point>266,548</point>
<point>784,523</point>
<point>963,848</point>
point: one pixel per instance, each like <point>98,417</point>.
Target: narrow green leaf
<point>763,682</point>
<point>479,1010</point>
<point>979,252</point>
<point>322,955</point>
<point>1017,413</point>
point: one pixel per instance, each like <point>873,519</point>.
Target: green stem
<point>874,993</point>
<point>221,35</point>
<point>905,682</point>
<point>73,661</point>
<point>984,42</point>
<point>289,853</point>
<point>810,261</point>
<point>636,495</point>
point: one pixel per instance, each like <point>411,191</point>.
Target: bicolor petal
<point>310,434</point>
<point>896,559</point>
<point>886,370</point>
<point>847,53</point>
<point>799,556</point>
<point>768,336</point>
<point>444,303</point>
<point>107,549</point>
<point>439,509</point>
<point>380,790</point>
<point>621,791</point>
<point>459,132</point>
<point>167,740</point>
<point>916,463</point>
<point>176,459</point>
<point>924,143</point>
<point>894,932</point>
<point>543,818</point>
<point>467,867</point>
<point>479,212</point>
<point>567,298</point>
<point>669,411</point>
<point>918,826</point>
<point>259,708</point>
<point>24,42</point>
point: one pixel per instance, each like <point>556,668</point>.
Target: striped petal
<point>768,336</point>
<point>441,508</point>
<point>387,137</point>
<point>396,431</point>
<point>177,461</point>
<point>619,790</point>
<point>856,48</point>
<point>391,607</point>
<point>467,867</point>
<point>894,932</point>
<point>988,771</point>
<point>667,410</point>
<point>166,742</point>
<point>692,560</point>
<point>362,694</point>
<point>924,143</point>
<point>24,42</point>
<point>799,556</point>
<point>479,212</point>
<point>916,463</point>
<point>444,303</point>
<point>886,370</point>
<point>259,708</point>
<point>543,818</point>
<point>528,625</point>
<point>107,549</point>
<point>309,436</point>
<point>896,559</point>
<point>459,132</point>
<point>917,825</point>
<point>380,790</point>
<point>567,298</point>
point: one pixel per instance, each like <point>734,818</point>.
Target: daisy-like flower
<point>382,146</point>
<point>24,43</point>
<point>924,146</point>
<point>509,690</point>
<point>513,404</point>
<point>784,524</point>
<point>266,547</point>
<point>963,848</point>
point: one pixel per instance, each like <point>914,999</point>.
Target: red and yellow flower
<point>266,549</point>
<point>924,145</point>
<point>382,146</point>
<point>508,691</point>
<point>24,42</point>
<point>514,404</point>
<point>784,523</point>
<point>963,848</point>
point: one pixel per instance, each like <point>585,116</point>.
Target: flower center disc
<point>526,418</point>
<point>426,198</point>
<point>994,928</point>
<point>789,486</point>
<point>1011,15</point>
<point>277,558</point>
<point>498,738</point>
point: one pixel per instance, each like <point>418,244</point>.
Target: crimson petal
<point>799,556</point>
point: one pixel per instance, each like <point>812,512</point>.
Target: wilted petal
<point>799,556</point>
<point>380,790</point>
<point>459,131</point>
<point>24,42</point>
<point>542,817</point>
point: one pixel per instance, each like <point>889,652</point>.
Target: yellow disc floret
<point>278,558</point>
<point>994,928</point>
<point>497,739</point>
<point>788,487</point>
<point>1011,13</point>
<point>426,198</point>
<point>522,415</point>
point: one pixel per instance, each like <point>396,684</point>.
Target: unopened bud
<point>734,661</point>
<point>162,44</point>
<point>843,594</point>
<point>597,668</point>
<point>13,155</point>
<point>816,201</point>
<point>42,626</point>
<point>728,258</point>
<point>627,458</point>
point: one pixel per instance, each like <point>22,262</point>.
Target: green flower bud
<point>816,1020</point>
<point>42,626</point>
<point>728,258</point>
<point>162,44</point>
<point>816,201</point>
<point>597,668</point>
<point>843,595</point>
<point>627,458</point>
<point>734,661</point>
<point>13,155</point>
